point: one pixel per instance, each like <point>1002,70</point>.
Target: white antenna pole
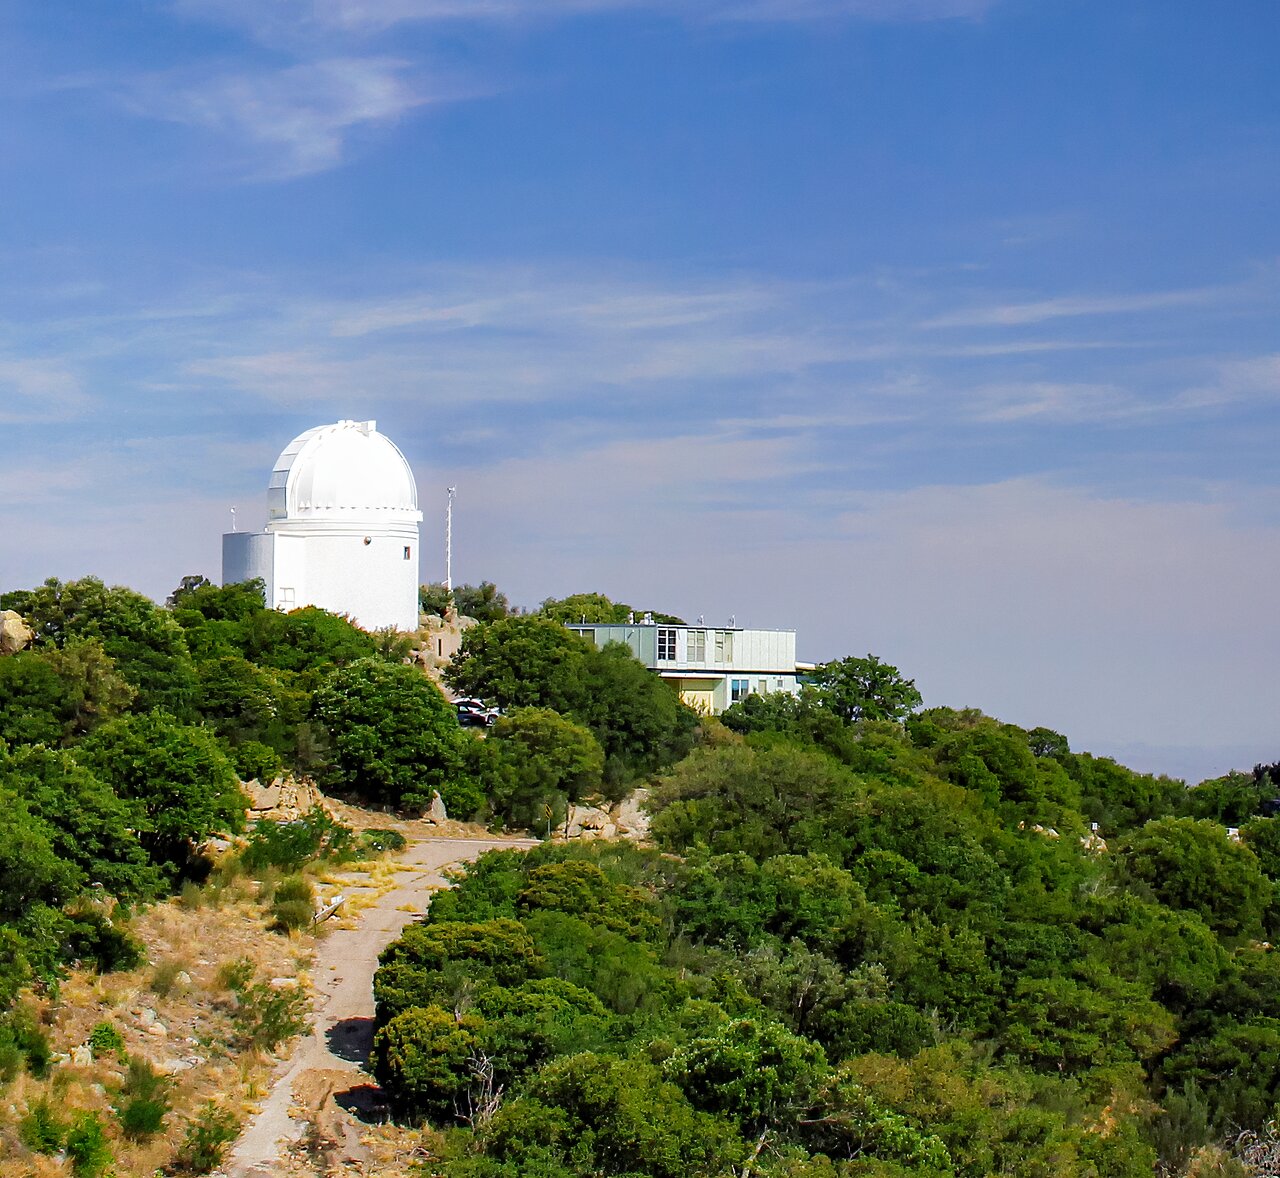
<point>448,542</point>
<point>233,519</point>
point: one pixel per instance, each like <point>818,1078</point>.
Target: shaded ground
<point>323,1084</point>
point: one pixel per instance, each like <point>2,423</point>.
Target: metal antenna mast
<point>448,542</point>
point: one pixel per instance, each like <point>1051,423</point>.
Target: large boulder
<point>589,822</point>
<point>631,817</point>
<point>15,634</point>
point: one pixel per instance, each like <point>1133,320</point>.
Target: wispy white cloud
<point>286,19</point>
<point>39,391</point>
<point>1242,379</point>
<point>290,121</point>
<point>1073,307</point>
<point>1054,401</point>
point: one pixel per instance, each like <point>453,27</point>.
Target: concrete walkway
<point>332,1057</point>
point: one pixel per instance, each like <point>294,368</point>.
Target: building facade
<point>711,667</point>
<point>342,529</point>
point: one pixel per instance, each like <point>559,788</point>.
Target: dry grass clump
<point>174,1020</point>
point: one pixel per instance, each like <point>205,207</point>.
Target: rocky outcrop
<point>436,813</point>
<point>285,799</point>
<point>631,817</point>
<point>589,822</point>
<point>15,634</point>
<point>439,639</point>
<point>625,819</point>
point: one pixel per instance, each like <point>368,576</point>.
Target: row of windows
<point>741,688</point>
<point>695,645</point>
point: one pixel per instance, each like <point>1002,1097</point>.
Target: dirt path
<point>330,1060</point>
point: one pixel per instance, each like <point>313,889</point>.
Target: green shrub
<point>379,842</point>
<point>144,1100</point>
<point>41,1130</point>
<point>87,1147</point>
<point>94,939</point>
<point>164,977</point>
<point>294,887</point>
<point>293,906</point>
<point>255,761</point>
<point>141,1119</point>
<point>235,975</point>
<point>23,1040</point>
<point>105,1039</point>
<point>206,1139</point>
<point>290,845</point>
<point>265,1017</point>
<point>11,1059</point>
<point>290,915</point>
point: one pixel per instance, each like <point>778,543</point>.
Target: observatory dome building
<point>342,529</point>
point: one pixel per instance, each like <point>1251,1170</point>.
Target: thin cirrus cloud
<point>35,391</point>
<point>292,18</point>
<point>291,121</point>
<point>1019,314</point>
<point>299,120</point>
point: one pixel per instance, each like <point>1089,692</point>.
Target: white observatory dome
<point>346,473</point>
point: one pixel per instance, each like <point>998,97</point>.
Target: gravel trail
<point>331,1058</point>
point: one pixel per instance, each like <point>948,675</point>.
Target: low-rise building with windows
<point>711,666</point>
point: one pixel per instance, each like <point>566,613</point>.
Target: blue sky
<point>943,329</point>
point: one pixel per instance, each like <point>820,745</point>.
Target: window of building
<point>724,646</point>
<point>739,689</point>
<point>666,645</point>
<point>408,552</point>
<point>696,645</point>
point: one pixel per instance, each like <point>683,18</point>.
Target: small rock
<point>283,983</point>
<point>82,1056</point>
<point>183,978</point>
<point>147,1016</point>
<point>157,1029</point>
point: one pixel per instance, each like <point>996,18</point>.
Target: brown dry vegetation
<point>190,1031</point>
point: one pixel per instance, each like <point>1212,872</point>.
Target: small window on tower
<point>408,552</point>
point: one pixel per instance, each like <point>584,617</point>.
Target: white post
<point>448,542</point>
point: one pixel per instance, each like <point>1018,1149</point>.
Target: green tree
<point>582,889</point>
<point>1117,798</point>
<point>145,643</point>
<point>864,689</point>
<point>534,758</point>
<point>393,737</point>
<point>1231,800</point>
<point>760,801</point>
<point>55,696</point>
<point>308,640</point>
<point>438,963</point>
<point>1191,864</point>
<point>641,724</point>
<point>32,874</point>
<point>584,607</point>
<point>31,700</point>
<point>423,1058</point>
<point>596,1114</point>
<point>755,1072</point>
<point>596,607</point>
<point>522,662</point>
<point>179,775</point>
<point>484,602</point>
<point>88,825</point>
